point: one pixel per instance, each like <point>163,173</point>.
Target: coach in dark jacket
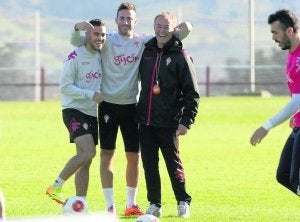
<point>166,108</point>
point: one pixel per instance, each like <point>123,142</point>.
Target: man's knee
<point>133,158</point>
<point>90,155</point>
<point>86,148</point>
<point>87,156</point>
<point>106,155</point>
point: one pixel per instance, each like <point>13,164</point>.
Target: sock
<point>58,182</point>
<point>109,196</point>
<point>131,196</point>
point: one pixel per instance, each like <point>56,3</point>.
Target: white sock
<point>58,182</point>
<point>131,196</point>
<point>109,196</point>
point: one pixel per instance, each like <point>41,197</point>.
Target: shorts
<point>80,124</point>
<point>110,117</point>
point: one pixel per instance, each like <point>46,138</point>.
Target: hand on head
<point>83,26</point>
<point>184,27</point>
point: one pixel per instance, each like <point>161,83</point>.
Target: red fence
<point>209,85</point>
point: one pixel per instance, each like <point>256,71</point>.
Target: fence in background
<point>212,81</point>
<point>237,81</point>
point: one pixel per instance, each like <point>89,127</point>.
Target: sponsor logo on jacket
<point>90,76</point>
<point>125,59</point>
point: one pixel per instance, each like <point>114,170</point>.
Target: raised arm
<point>183,30</point>
<point>76,38</point>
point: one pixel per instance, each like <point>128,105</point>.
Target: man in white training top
<point>80,93</point>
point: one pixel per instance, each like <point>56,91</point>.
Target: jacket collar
<point>173,44</point>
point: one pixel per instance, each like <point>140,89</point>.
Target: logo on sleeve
<point>72,55</point>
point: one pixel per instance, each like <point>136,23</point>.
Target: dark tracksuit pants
<point>151,139</point>
<point>288,171</point>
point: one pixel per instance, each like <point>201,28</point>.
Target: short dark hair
<point>286,19</point>
<point>97,22</point>
<point>127,6</point>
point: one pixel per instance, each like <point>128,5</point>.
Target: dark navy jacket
<point>178,99</point>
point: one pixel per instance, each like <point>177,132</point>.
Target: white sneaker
<point>154,210</point>
<point>112,210</point>
<point>183,209</point>
<point>298,190</point>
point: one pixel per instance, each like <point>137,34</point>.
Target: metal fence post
<point>207,82</point>
<point>43,84</point>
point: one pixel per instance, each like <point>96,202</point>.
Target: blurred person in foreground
<point>285,31</point>
<point>167,106</point>
<point>80,91</point>
<point>2,207</point>
<point>121,57</point>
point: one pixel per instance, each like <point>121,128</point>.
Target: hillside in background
<point>220,28</point>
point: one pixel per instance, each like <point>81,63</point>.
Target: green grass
<point>228,179</point>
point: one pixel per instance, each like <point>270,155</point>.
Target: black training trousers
<point>151,139</point>
<point>289,164</point>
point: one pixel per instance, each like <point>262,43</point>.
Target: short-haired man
<point>285,31</point>
<point>167,106</point>
<point>80,81</point>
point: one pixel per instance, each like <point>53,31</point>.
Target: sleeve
<point>146,38</point>
<point>183,33</point>
<point>67,84</point>
<point>190,91</point>
<point>76,39</point>
<point>285,113</point>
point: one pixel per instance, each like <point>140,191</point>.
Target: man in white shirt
<point>80,81</point>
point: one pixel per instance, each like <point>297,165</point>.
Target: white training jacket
<point>80,78</point>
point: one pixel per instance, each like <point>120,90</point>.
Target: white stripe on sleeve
<point>292,107</point>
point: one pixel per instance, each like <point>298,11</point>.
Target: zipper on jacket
<point>154,73</point>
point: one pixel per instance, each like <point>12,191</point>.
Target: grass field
<point>228,179</point>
